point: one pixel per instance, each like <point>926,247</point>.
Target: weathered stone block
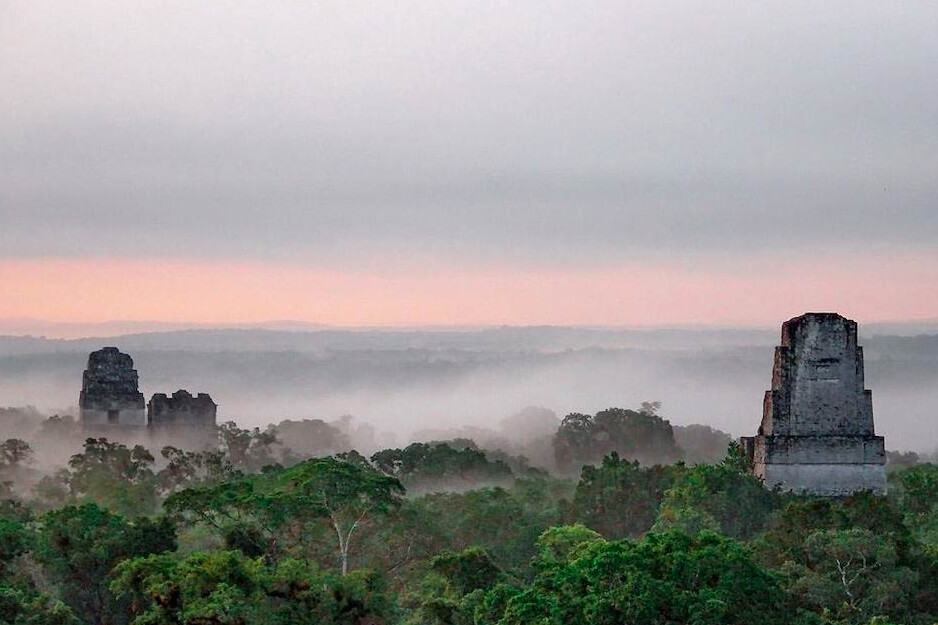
<point>181,409</point>
<point>109,394</point>
<point>817,433</point>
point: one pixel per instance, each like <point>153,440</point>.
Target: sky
<point>425,162</point>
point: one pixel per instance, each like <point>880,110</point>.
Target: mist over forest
<point>450,477</point>
<point>403,382</point>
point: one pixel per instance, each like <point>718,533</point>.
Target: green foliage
<point>427,466</point>
<point>279,504</point>
<point>915,492</point>
<point>227,587</point>
<point>736,458</point>
<point>53,490</point>
<point>665,578</point>
<point>15,540</point>
<point>114,476</point>
<point>334,540</point>
<point>620,499</point>
<point>716,497</point>
<point>784,540</point>
<point>20,607</point>
<point>642,436</point>
<point>346,494</point>
<point>854,575</point>
<point>248,450</point>
<point>79,545</point>
<point>189,468</point>
<point>499,520</point>
<point>458,592</point>
<point>468,570</point>
<point>557,544</point>
<point>852,559</point>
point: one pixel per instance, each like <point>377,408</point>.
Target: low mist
<point>403,383</point>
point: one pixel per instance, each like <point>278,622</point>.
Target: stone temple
<point>111,401</point>
<point>817,435</point>
<point>182,409</point>
<point>109,393</point>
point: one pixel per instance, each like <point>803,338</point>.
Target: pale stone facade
<point>817,431</point>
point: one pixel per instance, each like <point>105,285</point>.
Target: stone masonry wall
<point>817,433</point>
<point>109,394</point>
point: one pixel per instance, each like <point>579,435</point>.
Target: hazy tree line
<point>631,520</point>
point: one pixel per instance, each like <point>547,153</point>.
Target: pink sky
<point>765,291</point>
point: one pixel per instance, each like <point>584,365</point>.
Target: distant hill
<point>533,338</point>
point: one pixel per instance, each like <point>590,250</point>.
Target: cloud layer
<point>490,137</point>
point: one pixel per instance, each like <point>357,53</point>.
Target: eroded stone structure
<point>109,393</point>
<point>181,409</point>
<point>817,431</point>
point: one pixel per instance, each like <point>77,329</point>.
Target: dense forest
<point>602,519</point>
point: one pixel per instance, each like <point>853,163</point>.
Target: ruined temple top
<point>821,322</point>
<point>183,399</point>
<point>818,380</point>
<point>182,408</point>
<point>110,372</point>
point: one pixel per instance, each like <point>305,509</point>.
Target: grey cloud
<point>526,131</point>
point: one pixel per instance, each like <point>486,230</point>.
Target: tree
<point>249,450</point>
<point>441,465</point>
<point>915,493</point>
<point>79,545</point>
<point>53,490</point>
<point>115,476</point>
<point>220,506</point>
<point>716,497</point>
<point>228,588</point>
<point>645,437</point>
<point>784,539</point>
<point>505,522</point>
<point>348,494</point>
<point>20,606</point>
<point>189,468</point>
<point>468,570</point>
<point>458,583</point>
<point>650,408</point>
<point>827,547</point>
<point>14,453</point>
<point>574,441</point>
<point>309,438</point>
<point>663,579</point>
<point>854,574</point>
<point>282,503</point>
<point>181,470</point>
<point>619,498</point>
<point>701,443</point>
<point>557,544</point>
<point>15,540</point>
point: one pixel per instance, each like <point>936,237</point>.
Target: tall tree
<point>347,494</point>
<point>115,476</point>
